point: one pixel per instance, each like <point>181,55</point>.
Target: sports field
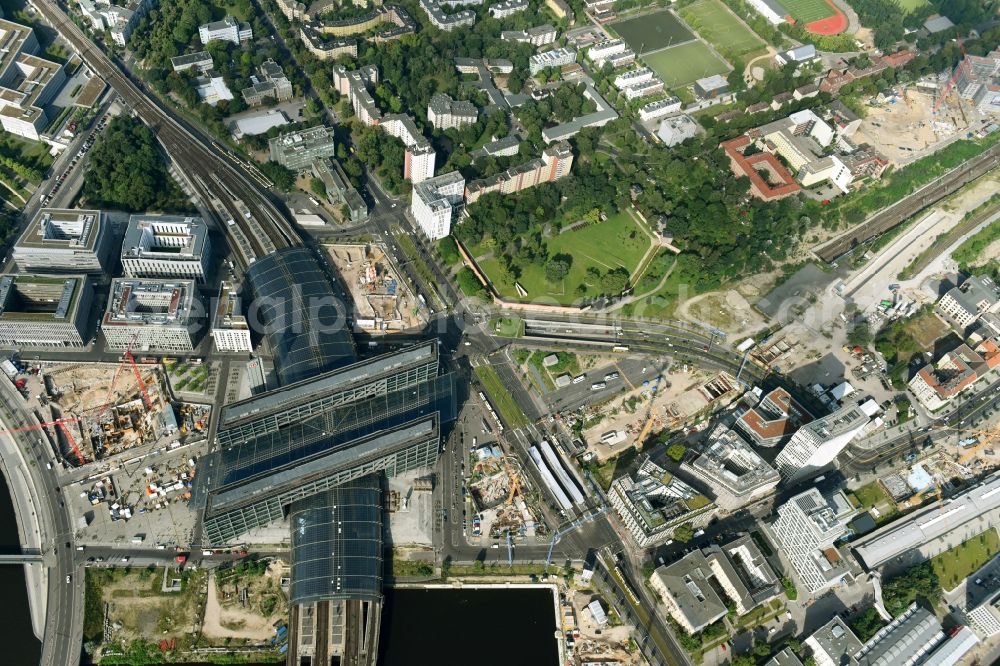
<point>807,11</point>
<point>714,22</point>
<point>683,65</point>
<point>652,31</point>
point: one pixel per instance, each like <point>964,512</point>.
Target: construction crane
<point>962,67</point>
<point>138,378</point>
<point>61,424</point>
<point>985,437</point>
<point>127,357</point>
<point>515,482</point>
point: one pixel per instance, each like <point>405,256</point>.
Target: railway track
<point>903,209</point>
<point>212,174</point>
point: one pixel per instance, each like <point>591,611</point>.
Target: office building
<point>737,475</point>
<point>298,150</point>
<point>806,530</point>
<point>743,573</point>
<point>202,61</point>
<point>339,189</point>
<point>659,108</point>
<point>977,79</point>
<point>506,8</point>
<point>816,444</point>
<point>833,644</point>
<point>230,330</point>
<point>555,163</point>
<point>677,129</point>
<point>554,58</point>
<point>227,30</point>
<point>773,420</point>
<point>651,503</point>
<point>212,88</point>
<point>685,589</point>
<point>935,385</point>
<point>150,315</point>
<point>966,303</point>
<point>44,311</point>
<point>443,112</point>
<point>27,82</point>
<point>61,240</point>
<point>919,536</point>
<point>119,20</point>
<point>537,36</point>
<point>804,141</point>
<point>271,84</point>
<point>448,22</point>
<point>436,202</point>
<point>166,246</point>
<point>378,415</point>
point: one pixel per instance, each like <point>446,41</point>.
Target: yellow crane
<point>985,437</point>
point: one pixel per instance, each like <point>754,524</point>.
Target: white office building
<point>436,201</point>
<point>166,246</point>
<point>61,240</point>
<point>806,530</point>
<point>227,30</point>
<point>44,311</point>
<point>816,444</point>
<point>150,315</point>
<point>27,82</point>
<point>230,331</point>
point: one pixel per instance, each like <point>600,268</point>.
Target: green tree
<point>614,281</point>
<point>860,335</point>
<point>282,177</point>
<point>676,452</point>
<point>318,188</point>
<point>684,533</point>
<point>556,269</point>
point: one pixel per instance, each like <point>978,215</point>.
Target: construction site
<point>382,302</point>
<point>94,411</point>
<point>501,502</point>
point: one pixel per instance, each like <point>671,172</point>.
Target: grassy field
<point>500,397</point>
<point>683,65</point>
<point>956,564</point>
<point>911,5</point>
<point>714,22</point>
<point>652,31</point>
<point>807,11</point>
<point>618,241</point>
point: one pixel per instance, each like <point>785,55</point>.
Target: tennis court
<point>714,22</point>
<point>807,11</point>
<point>683,65</point>
<point>651,32</point>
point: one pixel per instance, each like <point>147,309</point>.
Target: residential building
<point>436,202</point>
<point>685,588</point>
<point>298,150</point>
<point>554,58</point>
<point>63,240</point>
<point>806,91</point>
<point>660,108</point>
<point>677,129</point>
<point>783,658</point>
<point>604,49</point>
<point>339,189</point>
<point>503,147</point>
<point>817,443</point>
<point>742,571</point>
<point>977,79</point>
<point>44,311</point>
<point>419,159</point>
<point>150,315</point>
<point>537,36</point>
<point>230,331</point>
<point>633,77</point>
<point>966,303</point>
<point>652,502</point>
<point>119,20</point>
<point>935,385</point>
<point>506,8</point>
<point>779,182</point>
<point>212,88</point>
<point>711,86</point>
<point>984,618</point>
<point>227,30</point>
<point>161,246</point>
<point>202,60</point>
<point>770,10</point>
<point>836,79</point>
<point>443,112</point>
<point>27,82</point>
<point>643,89</point>
<point>555,163</point>
<point>448,22</point>
<point>833,644</point>
<point>937,23</point>
<point>800,54</point>
<point>736,474</point>
<point>272,83</point>
<point>604,114</point>
<point>932,530</point>
<point>354,85</point>
<point>619,60</point>
<point>773,419</point>
<point>561,9</point>
<point>807,527</point>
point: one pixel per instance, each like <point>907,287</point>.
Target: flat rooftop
<point>62,229</point>
<point>38,298</point>
<point>228,313</point>
<point>149,302</point>
<point>165,237</point>
<point>12,39</point>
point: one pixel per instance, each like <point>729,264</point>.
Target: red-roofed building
<point>752,166</point>
<point>934,386</point>
<point>775,418</point>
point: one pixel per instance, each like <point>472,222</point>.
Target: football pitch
<point>807,11</point>
<point>715,23</point>
<point>652,31</point>
<point>682,65</point>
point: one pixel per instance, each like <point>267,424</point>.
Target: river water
<point>489,627</point>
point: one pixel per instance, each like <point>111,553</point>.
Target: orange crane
<point>138,378</point>
<point>963,65</point>
<point>985,437</point>
<point>61,424</point>
<point>118,371</point>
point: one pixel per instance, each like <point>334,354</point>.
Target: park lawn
<point>714,22</point>
<point>911,5</point>
<point>807,11</point>
<point>500,397</point>
<point>615,242</point>
<point>682,65</point>
<point>508,327</point>
<point>652,31</point>
<point>956,564</point>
